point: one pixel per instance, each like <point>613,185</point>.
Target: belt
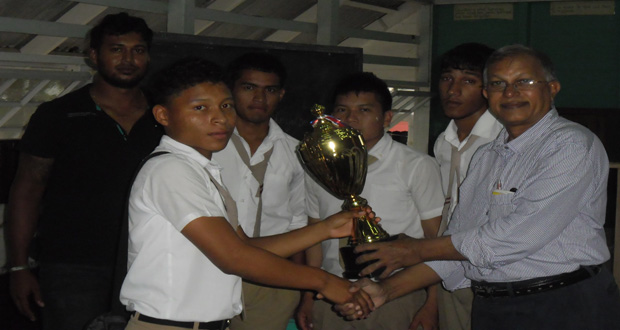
<point>213,325</point>
<point>535,285</point>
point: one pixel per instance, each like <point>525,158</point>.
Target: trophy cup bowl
<point>335,156</point>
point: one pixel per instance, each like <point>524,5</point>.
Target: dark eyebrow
<point>247,83</point>
<point>473,73</point>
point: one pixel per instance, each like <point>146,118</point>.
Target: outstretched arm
<point>218,241</point>
<point>286,244</point>
<point>405,252</point>
<point>22,218</point>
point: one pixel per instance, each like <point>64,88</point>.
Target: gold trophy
<point>336,157</point>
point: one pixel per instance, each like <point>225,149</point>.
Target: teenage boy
<point>471,125</point>
<point>186,252</point>
<point>77,158</point>
<point>263,175</point>
<point>405,188</point>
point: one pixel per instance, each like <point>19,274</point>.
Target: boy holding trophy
<point>186,251</point>
<point>404,188</point>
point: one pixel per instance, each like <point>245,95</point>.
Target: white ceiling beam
<point>360,5</point>
<point>462,2</point>
<point>44,74</point>
<point>39,58</point>
<point>378,35</point>
<point>263,22</point>
<point>308,16</point>
<point>80,14</point>
<point>425,46</point>
<point>30,26</point>
<point>5,85</point>
<point>23,102</point>
<point>148,6</point>
<point>223,5</point>
<point>327,20</point>
<point>181,16</point>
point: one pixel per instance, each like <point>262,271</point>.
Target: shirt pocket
<point>501,205</point>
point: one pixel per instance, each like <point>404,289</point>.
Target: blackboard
<point>312,70</point>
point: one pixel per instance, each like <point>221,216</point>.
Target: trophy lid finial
<point>318,110</point>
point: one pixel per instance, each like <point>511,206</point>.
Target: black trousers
<point>593,303</point>
<point>73,294</point>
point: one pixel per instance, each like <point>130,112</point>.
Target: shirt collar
<point>486,127</point>
<point>526,138</point>
<point>170,144</point>
<point>275,133</point>
<point>382,147</point>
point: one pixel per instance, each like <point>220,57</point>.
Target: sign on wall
<point>574,8</point>
<point>483,11</point>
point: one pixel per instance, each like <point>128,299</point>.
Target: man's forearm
<point>409,280</point>
<point>440,248</point>
<point>24,206</point>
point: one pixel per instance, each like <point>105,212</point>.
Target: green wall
<point>584,49</point>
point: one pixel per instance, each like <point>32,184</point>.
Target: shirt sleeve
<point>547,201</point>
<point>312,199</point>
<point>180,193</point>
<point>425,186</point>
<point>451,272</point>
<point>44,132</point>
<point>297,201</point>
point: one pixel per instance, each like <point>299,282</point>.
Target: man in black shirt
<point>77,158</point>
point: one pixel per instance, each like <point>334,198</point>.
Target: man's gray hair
<point>517,50</point>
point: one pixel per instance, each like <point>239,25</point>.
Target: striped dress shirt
<point>531,207</point>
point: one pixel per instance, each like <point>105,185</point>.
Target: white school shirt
<point>168,277</point>
<point>486,128</point>
<point>283,188</point>
<point>403,186</point>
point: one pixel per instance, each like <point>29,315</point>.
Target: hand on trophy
<point>341,223</point>
<point>368,296</point>
<point>392,255</point>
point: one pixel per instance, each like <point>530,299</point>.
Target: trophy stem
<point>365,230</point>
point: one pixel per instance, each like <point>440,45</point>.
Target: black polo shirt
<point>94,162</point>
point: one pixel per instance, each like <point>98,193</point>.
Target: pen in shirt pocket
<point>504,192</point>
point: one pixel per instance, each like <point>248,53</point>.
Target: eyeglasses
<point>499,86</point>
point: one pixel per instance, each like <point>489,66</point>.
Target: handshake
<point>366,295</point>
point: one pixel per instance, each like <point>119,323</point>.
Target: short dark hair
<point>119,24</point>
<point>468,56</point>
<point>263,62</point>
<point>181,75</point>
<point>518,50</point>
<point>364,82</point>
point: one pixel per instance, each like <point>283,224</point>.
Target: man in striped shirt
<point>527,235</point>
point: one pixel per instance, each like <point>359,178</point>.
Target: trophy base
<point>351,268</point>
